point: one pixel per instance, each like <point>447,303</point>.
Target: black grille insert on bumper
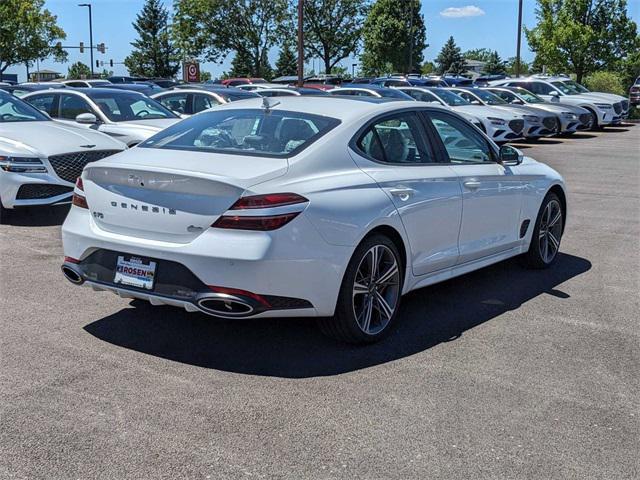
<point>617,107</point>
<point>39,191</point>
<point>550,123</point>
<point>69,166</point>
<point>516,125</point>
<point>172,280</point>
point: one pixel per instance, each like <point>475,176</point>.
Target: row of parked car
<point>50,132</point>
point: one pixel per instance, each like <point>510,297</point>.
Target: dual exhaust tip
<point>217,304</point>
<point>72,274</point>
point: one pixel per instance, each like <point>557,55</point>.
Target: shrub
<point>608,82</point>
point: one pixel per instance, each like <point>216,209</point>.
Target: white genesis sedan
<point>308,206</point>
<point>40,159</point>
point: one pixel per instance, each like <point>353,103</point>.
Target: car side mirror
<point>87,119</point>
<point>510,156</point>
<point>517,102</point>
<point>555,96</point>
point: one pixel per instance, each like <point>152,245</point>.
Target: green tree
<point>450,59</point>
<point>287,62</point>
<point>609,82</point>
<point>106,73</point>
<point>27,33</point>
<point>495,65</point>
<point>333,29</point>
<point>629,68</point>
<point>427,68</point>
<point>213,28</point>
<point>204,76</point>
<point>480,54</point>
<point>582,36</point>
<point>243,65</point>
<point>154,54</point>
<point>394,35</point>
<point>78,70</point>
<point>510,67</point>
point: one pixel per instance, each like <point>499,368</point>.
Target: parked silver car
<point>130,117</point>
<point>570,118</point>
<point>537,124</point>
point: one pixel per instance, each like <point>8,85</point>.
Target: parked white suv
<point>604,111</point>
<point>128,116</point>
<point>40,159</point>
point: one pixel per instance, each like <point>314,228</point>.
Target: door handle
<point>402,192</point>
<point>472,184</point>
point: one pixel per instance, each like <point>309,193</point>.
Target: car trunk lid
<point>170,195</point>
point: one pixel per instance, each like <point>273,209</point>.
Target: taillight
<point>261,222</point>
<point>241,293</point>
<point>79,200</point>
<point>265,223</point>
<point>71,260</point>
<point>270,200</point>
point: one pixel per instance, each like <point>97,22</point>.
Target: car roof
<point>343,108</point>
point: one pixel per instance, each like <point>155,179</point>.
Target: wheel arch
<point>394,236</point>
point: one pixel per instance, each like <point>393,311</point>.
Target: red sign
<point>191,72</point>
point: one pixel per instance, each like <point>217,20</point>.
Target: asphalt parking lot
<point>501,374</point>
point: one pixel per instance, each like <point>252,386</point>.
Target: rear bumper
<point>292,263</point>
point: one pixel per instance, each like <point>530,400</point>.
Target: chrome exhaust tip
<point>72,274</point>
<point>224,305</point>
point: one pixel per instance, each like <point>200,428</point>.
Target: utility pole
<point>90,33</point>
<point>300,43</point>
<point>410,62</point>
<point>519,38</point>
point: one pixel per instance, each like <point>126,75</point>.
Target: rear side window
<point>255,132</point>
<point>176,102</point>
<point>203,102</point>
<point>397,139</point>
<point>539,88</point>
<point>72,105</point>
<point>44,103</point>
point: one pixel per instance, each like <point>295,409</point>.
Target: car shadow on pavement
<point>295,348</point>
<point>38,216</point>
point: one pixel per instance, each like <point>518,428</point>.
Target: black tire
<point>543,236</point>
<point>594,122</point>
<point>344,325</point>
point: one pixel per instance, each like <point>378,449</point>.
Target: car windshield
<point>528,97</point>
<point>564,88</point>
<point>576,86</point>
<point>487,97</point>
<point>15,110</point>
<point>450,98</point>
<point>126,106</point>
<point>393,93</point>
<point>254,132</point>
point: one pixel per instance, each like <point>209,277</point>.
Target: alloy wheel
<point>376,289</point>
<point>550,231</point>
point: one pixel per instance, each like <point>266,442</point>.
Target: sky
<point>473,24</point>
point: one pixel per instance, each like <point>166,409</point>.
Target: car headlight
<point>532,118</point>
<point>604,106</point>
<point>497,121</point>
<point>569,115</point>
<point>22,165</point>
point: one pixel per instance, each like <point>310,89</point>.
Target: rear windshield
<point>255,132</point>
<point>122,106</point>
<point>450,98</point>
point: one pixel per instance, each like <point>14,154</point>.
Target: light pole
<point>90,33</point>
<point>300,43</point>
<point>353,70</point>
<point>519,38</point>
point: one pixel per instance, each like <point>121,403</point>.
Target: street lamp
<point>90,33</point>
<point>353,70</point>
<point>519,38</point>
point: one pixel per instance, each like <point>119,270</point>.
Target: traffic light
<point>111,63</point>
<point>97,63</point>
<point>81,47</point>
<point>101,48</point>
